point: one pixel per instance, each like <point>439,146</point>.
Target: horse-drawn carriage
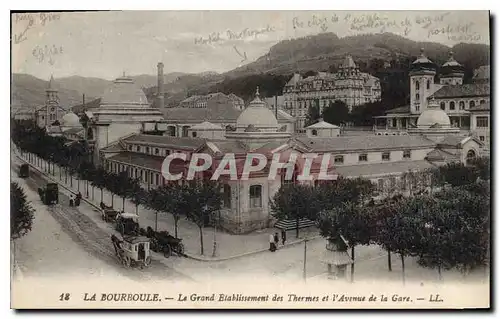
<point>132,251</point>
<point>24,171</point>
<point>108,214</point>
<point>127,224</point>
<point>49,194</point>
<point>165,243</point>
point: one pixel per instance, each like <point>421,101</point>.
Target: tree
<point>333,194</point>
<point>352,221</point>
<point>137,194</point>
<point>457,174</point>
<point>21,212</point>
<point>202,199</point>
<point>295,201</point>
<point>100,180</point>
<point>398,231</point>
<point>157,202</point>
<point>176,204</point>
<point>336,113</point>
<point>312,114</point>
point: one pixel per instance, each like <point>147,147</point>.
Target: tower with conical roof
<point>422,73</point>
<point>452,72</point>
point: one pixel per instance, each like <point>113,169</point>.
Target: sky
<point>107,44</point>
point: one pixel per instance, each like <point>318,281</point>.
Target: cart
<point>49,194</point>
<point>127,223</point>
<point>132,251</point>
<point>165,243</point>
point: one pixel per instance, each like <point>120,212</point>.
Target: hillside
<point>324,52</point>
<point>27,90</point>
<point>271,71</point>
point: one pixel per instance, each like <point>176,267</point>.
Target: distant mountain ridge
<point>320,52</point>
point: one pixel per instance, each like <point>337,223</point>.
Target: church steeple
<point>51,86</point>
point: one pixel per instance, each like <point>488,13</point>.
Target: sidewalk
<point>228,246</point>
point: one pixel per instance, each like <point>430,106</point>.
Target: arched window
<point>157,151</point>
<point>130,147</point>
<point>452,105</point>
<point>314,133</point>
<point>442,105</point>
<point>472,104</point>
<point>471,155</point>
<point>417,85</point>
<point>461,105</point>
<point>226,196</point>
<point>147,149</point>
<point>255,196</point>
<point>138,148</point>
<point>417,96</point>
<point>482,102</point>
<point>428,84</point>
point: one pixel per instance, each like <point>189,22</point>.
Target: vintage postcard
<point>250,159</point>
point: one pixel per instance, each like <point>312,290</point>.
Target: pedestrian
<point>272,244</point>
<point>283,236</point>
<point>71,201</point>
<point>276,239</point>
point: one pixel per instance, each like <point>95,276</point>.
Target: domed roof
<point>451,66</point>
<point>70,119</point>
<point>422,62</point>
<point>433,117</point>
<point>257,115</point>
<point>124,92</point>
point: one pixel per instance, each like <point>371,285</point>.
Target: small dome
<point>422,62</point>
<point>451,66</point>
<point>433,117</point>
<point>70,119</point>
<point>124,92</point>
<point>257,115</point>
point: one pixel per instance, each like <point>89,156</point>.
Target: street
<point>64,241</point>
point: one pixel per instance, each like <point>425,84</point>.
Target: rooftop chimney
<point>159,95</point>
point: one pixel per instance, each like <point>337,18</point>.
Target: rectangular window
<point>339,159</point>
<point>363,157</point>
<point>482,121</point>
<point>157,179</point>
<point>386,156</point>
<point>255,196</point>
<point>407,154</point>
<point>481,138</point>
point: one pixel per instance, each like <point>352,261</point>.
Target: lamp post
<point>304,272</point>
<point>214,252</point>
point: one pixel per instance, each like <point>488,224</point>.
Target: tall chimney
<point>159,96</point>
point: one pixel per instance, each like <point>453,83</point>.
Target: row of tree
<point>444,221</point>
<point>338,113</point>
<point>195,200</point>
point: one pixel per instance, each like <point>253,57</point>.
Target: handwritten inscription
<point>30,20</point>
<point>47,53</point>
<point>228,35</point>
<point>375,22</point>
